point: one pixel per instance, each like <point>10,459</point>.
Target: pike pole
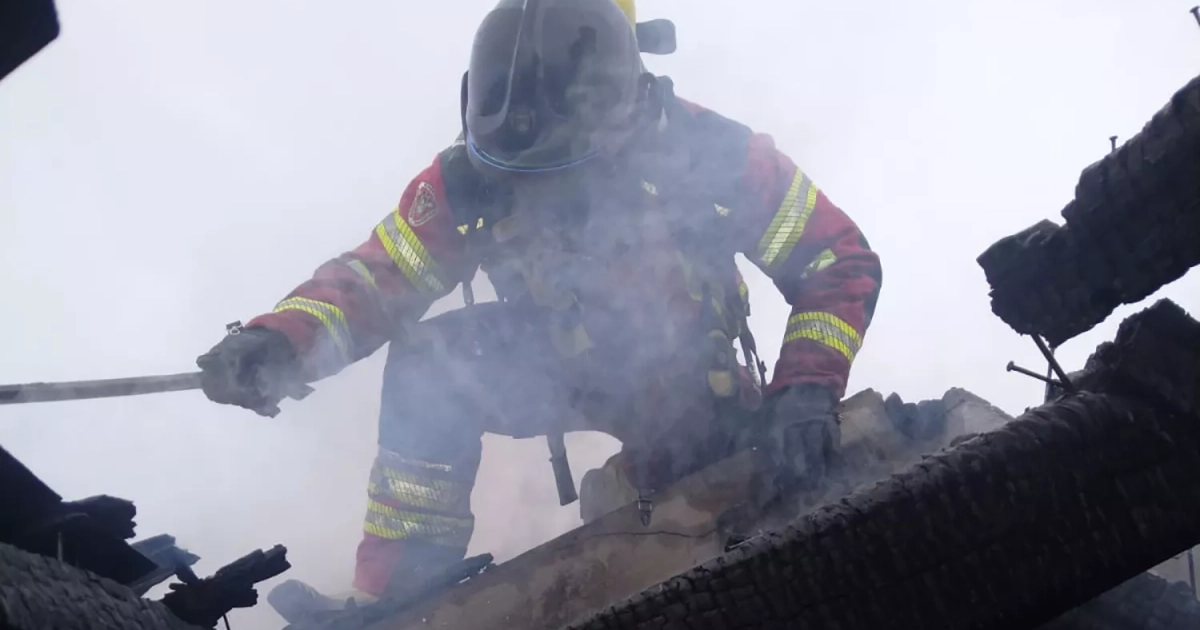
<point>104,388</point>
<point>133,386</point>
<point>117,387</point>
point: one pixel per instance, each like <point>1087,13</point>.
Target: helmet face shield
<point>551,83</point>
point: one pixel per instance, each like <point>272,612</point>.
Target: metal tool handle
<point>134,386</point>
<point>104,388</point>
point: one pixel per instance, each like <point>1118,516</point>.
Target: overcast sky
<point>166,168</point>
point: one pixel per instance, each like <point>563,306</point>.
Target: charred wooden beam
<point>1005,530</point>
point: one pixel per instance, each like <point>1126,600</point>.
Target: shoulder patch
<point>424,205</point>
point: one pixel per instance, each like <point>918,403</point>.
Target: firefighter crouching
<point>606,212</point>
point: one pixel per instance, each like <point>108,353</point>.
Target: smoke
<point>166,169</point>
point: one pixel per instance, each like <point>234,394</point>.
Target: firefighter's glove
<point>802,435</point>
<point>253,369</point>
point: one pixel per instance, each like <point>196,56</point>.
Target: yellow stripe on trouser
<point>329,315</point>
<point>386,457</point>
<point>824,328</point>
<point>418,491</point>
<point>409,254</point>
<point>788,224</point>
<point>388,522</point>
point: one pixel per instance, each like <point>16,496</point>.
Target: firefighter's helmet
<point>630,9</point>
<point>551,84</point>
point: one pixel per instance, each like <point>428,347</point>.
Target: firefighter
<point>606,212</point>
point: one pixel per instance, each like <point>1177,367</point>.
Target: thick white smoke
<point>166,168</point>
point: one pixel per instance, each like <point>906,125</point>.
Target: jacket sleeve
<point>353,304</point>
<point>819,260</point>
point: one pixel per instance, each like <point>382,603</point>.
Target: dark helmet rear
<point>552,84</point>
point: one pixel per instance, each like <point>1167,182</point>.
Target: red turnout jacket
<point>775,215</point>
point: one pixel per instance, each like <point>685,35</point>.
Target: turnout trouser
<point>483,369</point>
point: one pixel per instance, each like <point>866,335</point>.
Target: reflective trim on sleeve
<point>330,316</point>
<point>823,260</point>
<point>409,254</point>
<point>788,224</point>
<point>361,269</point>
<point>824,328</point>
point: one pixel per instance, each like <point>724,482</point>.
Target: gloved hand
<point>802,434</point>
<point>253,369</point>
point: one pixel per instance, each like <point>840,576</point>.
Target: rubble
<point>1008,529</point>
<point>613,555</point>
<point>65,564</point>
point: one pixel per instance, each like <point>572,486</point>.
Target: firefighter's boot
<point>409,565</point>
<point>296,601</point>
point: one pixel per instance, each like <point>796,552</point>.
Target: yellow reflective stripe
<point>788,224</point>
<point>409,254</point>
<point>457,540</point>
<point>387,522</point>
<point>329,315</point>
<point>361,269</point>
<point>410,518</point>
<point>417,496</point>
<point>824,328</point>
<point>823,260</point>
<point>418,491</point>
<point>392,457</point>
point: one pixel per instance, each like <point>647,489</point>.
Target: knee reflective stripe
<point>789,222</point>
<point>394,524</point>
<point>824,328</point>
<point>412,499</point>
<point>395,459</point>
<point>406,250</point>
<point>330,316</point>
<point>418,491</point>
